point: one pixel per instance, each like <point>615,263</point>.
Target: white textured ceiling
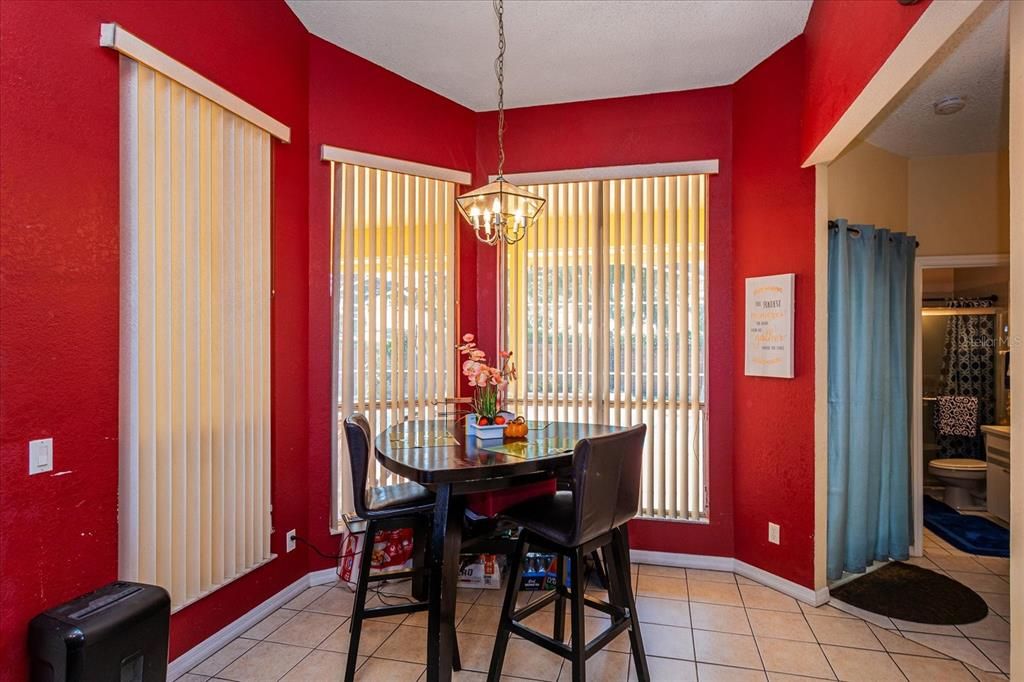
<point>974,64</point>
<point>559,50</point>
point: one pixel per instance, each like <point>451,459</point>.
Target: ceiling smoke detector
<point>950,105</point>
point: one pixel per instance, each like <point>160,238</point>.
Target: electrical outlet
<point>289,543</point>
<point>773,533</point>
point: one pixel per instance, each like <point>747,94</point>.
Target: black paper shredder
<point>117,633</point>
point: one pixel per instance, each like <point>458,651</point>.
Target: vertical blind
<point>195,339</point>
<point>604,301</point>
<point>395,301</point>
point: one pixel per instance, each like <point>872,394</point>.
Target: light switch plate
<point>40,456</point>
<point>773,533</point>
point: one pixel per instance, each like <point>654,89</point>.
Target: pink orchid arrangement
<point>487,381</point>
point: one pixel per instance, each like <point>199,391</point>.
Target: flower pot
<point>489,432</point>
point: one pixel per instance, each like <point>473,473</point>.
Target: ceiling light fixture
<point>950,105</point>
<point>500,211</point>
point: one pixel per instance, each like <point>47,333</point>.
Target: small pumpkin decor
<point>517,428</point>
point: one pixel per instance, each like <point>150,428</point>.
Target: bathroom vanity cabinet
<point>997,455</point>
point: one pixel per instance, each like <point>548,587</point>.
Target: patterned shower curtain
<point>968,369</point>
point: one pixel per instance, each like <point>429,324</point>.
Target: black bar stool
<point>405,505</point>
<point>605,496</point>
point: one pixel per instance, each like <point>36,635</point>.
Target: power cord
<point>376,589</point>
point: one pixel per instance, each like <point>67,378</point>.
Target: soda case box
<point>481,571</point>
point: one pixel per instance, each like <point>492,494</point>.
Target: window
<point>604,305</point>
<point>394,302</point>
<point>195,433</point>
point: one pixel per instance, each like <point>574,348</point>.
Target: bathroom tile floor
<point>697,625</point>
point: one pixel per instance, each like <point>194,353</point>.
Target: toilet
<point>964,480</point>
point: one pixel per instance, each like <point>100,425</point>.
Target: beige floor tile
<point>706,672</point>
<point>985,676</point>
<point>895,643</point>
<point>666,670</point>
<point>594,627</point>
<point>785,677</point>
<point>372,635</point>
<point>782,625</point>
<point>824,610</point>
<point>982,582</point>
<point>397,588</point>
<point>998,565</point>
<point>723,648</point>
<point>719,618</point>
<point>385,670</point>
<point>918,669</point>
<point>336,601</point>
<point>190,677</point>
<point>710,576</point>
<point>860,665</point>
<point>269,624</point>
<point>959,563</point>
<point>497,597</point>
<point>990,627</point>
<point>266,661</point>
<point>923,562</point>
<point>959,648</point>
<point>407,644</point>
<point>658,586</point>
<point>481,619</point>
<point>911,626</point>
<point>543,622</point>
<point>224,657</point>
<point>708,592</point>
<point>604,666</point>
<point>523,659</point>
<point>475,651</point>
<point>420,618</point>
<point>743,580</point>
<point>663,611</point>
<point>462,676</point>
<point>760,597</point>
<point>308,596</point>
<point>663,571</point>
<point>666,641</point>
<point>843,632</point>
<point>879,620</point>
<point>470,594</point>
<point>997,652</point>
<point>999,603</point>
<point>795,658</point>
<point>322,666</point>
<point>306,629</point>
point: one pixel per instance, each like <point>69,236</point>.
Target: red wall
<point>59,289</point>
<point>773,233</point>
<point>678,126</point>
<point>405,121</point>
<point>847,41</point>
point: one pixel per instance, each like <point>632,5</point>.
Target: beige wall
<point>960,204</point>
<point>955,205</point>
<point>869,186</point>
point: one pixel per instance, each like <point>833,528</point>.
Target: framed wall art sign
<point>769,326</point>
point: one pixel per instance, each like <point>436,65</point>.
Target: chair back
<point>357,436</point>
<point>606,481</point>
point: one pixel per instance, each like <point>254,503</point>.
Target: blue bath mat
<point>968,533</point>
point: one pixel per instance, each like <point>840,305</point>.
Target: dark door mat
<point>966,532</point>
<point>909,592</point>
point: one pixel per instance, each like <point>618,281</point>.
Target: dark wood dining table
<point>440,455</point>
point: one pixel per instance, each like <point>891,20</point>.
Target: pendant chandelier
<point>500,211</point>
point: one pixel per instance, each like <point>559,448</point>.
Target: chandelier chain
<point>499,71</point>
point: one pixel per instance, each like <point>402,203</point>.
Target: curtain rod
<point>833,225</point>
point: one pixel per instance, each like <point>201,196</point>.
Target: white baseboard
<point>199,653</point>
<point>723,563</point>
<point>322,577</point>
<point>794,590</point>
<point>704,561</point>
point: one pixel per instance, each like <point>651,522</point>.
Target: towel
<point>956,415</point>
